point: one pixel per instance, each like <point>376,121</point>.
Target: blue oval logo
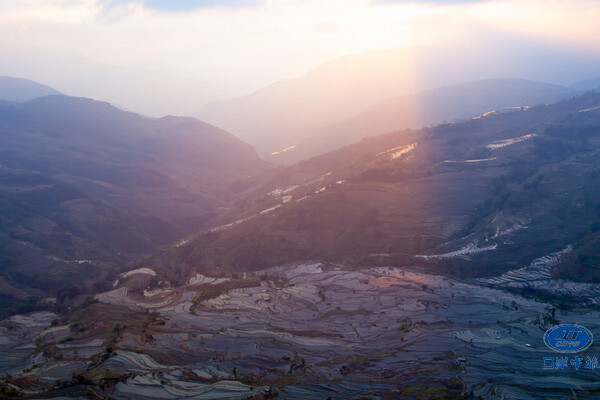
<point>568,338</point>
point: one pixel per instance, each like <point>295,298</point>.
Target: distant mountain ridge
<point>147,91</point>
<point>465,100</point>
<point>18,89</point>
<point>587,84</point>
<point>283,114</point>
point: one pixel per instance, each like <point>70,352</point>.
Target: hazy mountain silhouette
<point>16,89</point>
<point>587,84</point>
<point>147,91</point>
<point>282,114</point>
<point>438,105</point>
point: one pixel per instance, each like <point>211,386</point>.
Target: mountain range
<point>162,257</point>
<point>88,188</point>
<point>281,115</point>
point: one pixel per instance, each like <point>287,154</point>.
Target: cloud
<point>326,27</point>
<point>183,5</point>
<point>430,2</point>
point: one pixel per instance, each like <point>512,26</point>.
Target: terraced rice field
<point>315,331</point>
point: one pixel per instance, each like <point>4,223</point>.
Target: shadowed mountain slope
<point>86,188</point>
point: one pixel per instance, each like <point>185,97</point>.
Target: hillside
<point>439,105</point>
<point>470,199</point>
<point>86,188</point>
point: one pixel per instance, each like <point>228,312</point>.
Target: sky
<point>242,45</point>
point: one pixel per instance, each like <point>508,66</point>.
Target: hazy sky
<point>245,44</point>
